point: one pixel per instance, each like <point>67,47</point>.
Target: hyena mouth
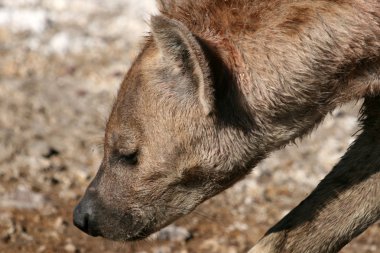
<point>139,236</point>
<point>139,230</point>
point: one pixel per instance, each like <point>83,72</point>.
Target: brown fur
<point>220,84</point>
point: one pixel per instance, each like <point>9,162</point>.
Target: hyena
<point>219,85</point>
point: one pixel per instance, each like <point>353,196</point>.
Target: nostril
<point>86,218</point>
<point>81,220</point>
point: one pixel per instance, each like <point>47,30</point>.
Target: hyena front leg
<point>342,206</point>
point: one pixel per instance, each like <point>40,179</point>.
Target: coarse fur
<point>219,85</point>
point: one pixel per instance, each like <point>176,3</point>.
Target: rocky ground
<point>61,63</point>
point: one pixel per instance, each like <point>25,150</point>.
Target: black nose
<point>84,217</point>
<point>81,218</point>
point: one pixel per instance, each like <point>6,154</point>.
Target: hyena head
<point>173,138</point>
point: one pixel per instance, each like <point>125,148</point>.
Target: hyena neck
<point>242,101</point>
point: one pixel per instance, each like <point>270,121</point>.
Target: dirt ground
<point>61,62</point>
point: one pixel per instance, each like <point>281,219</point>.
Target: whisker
<point>200,214</point>
<point>208,217</point>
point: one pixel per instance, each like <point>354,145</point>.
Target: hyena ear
<point>180,46</point>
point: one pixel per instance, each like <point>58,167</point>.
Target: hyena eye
<point>129,158</point>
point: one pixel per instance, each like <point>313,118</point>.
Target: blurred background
<point>61,62</point>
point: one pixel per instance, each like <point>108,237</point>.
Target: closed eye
<point>128,158</point>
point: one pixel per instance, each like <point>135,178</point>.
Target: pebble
<point>70,247</point>
<point>172,233</point>
<point>24,20</point>
<point>22,198</point>
<point>41,249</point>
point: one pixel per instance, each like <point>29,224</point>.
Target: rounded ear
<point>178,44</point>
